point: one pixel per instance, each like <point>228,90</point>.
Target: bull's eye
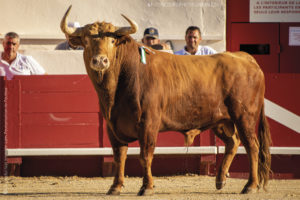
<point>113,41</point>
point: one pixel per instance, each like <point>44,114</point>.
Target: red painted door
<point>290,52</point>
<point>260,40</point>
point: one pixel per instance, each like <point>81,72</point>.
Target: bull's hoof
<point>220,184</point>
<point>145,192</point>
<point>248,190</point>
<point>113,191</point>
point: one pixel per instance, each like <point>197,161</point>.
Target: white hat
<point>74,24</point>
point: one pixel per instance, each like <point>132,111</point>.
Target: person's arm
<point>36,68</point>
<point>180,52</point>
<point>210,50</point>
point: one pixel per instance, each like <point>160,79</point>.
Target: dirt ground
<point>171,187</point>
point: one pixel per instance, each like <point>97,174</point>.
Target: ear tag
<point>143,55</point>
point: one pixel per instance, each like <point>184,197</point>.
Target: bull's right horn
<point>127,30</point>
<point>66,29</point>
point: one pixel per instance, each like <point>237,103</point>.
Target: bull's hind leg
<point>228,134</point>
<point>246,129</point>
<point>120,155</point>
<point>189,136</point>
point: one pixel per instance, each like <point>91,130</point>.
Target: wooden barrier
<point>59,115</point>
<point>2,128</point>
<point>53,126</point>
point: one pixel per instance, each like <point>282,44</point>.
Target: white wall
<point>59,62</point>
<point>37,21</point>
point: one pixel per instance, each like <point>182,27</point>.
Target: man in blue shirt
<point>193,39</point>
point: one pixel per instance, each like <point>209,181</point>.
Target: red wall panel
<point>53,111</point>
<point>258,34</point>
<point>282,89</point>
<point>238,10</point>
<point>2,127</point>
<point>61,121</point>
<point>289,55</point>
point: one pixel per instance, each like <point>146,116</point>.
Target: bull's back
<point>190,88</point>
<point>243,55</point>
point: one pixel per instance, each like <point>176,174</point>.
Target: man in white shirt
<point>13,63</point>
<point>193,39</point>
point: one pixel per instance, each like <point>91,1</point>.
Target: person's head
<point>11,44</point>
<point>74,24</point>
<point>193,37</point>
<point>151,36</point>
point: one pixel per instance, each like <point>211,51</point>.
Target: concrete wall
<point>37,21</point>
<point>59,62</point>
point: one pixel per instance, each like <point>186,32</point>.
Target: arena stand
<point>52,125</point>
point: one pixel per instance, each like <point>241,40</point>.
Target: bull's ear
<point>75,41</point>
<point>122,40</point>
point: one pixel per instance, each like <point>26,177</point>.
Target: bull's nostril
<point>105,61</point>
<point>95,61</point>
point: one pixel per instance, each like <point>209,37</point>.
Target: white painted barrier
<point>136,151</point>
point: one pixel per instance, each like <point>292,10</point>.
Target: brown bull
<point>188,94</point>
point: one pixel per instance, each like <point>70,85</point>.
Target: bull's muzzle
<point>99,62</point>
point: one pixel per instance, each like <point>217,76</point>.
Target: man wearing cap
<point>151,37</point>
<point>193,47</point>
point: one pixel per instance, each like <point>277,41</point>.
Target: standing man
<point>13,63</point>
<point>193,47</point>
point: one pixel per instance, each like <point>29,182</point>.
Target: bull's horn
<point>70,31</point>
<point>127,30</point>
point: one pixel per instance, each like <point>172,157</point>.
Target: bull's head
<point>98,39</point>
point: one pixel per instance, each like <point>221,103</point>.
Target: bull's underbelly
<point>193,119</point>
<point>126,128</point>
<point>179,117</point>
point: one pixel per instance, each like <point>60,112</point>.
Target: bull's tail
<point>264,138</point>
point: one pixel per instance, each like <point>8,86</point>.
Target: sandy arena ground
<point>175,187</point>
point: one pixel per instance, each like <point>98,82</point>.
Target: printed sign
<point>294,36</point>
<point>274,10</point>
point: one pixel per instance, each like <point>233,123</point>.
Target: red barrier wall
<point>52,111</point>
<point>62,111</point>
<point>2,127</point>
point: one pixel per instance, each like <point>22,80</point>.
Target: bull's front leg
<point>146,157</point>
<point>147,141</point>
<point>120,155</point>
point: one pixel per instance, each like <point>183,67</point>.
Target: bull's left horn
<point>127,30</point>
<point>65,28</point>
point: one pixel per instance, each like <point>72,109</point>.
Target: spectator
<point>66,45</point>
<point>193,47</point>
<point>151,39</point>
<point>13,63</point>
